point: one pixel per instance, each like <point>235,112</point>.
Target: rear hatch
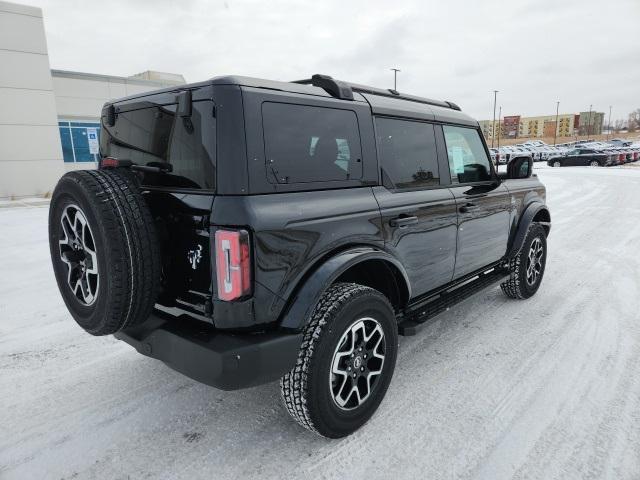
<point>175,131</point>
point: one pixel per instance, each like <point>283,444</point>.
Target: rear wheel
<point>594,163</point>
<point>557,164</point>
<point>346,361</point>
<point>104,250</point>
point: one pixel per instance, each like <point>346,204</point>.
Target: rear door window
<point>310,144</point>
<point>155,133</point>
<point>468,160</point>
<point>407,151</point>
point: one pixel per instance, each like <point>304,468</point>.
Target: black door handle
<point>467,207</point>
<point>403,221</point>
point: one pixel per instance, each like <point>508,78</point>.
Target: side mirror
<point>520,167</point>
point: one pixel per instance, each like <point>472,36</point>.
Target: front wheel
<point>527,268</point>
<point>557,164</point>
<point>594,163</point>
<point>346,361</point>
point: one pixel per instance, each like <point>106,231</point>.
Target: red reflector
<point>109,162</point>
<point>233,264</point>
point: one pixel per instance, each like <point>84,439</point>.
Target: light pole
<point>493,128</point>
<point>589,123</point>
<point>395,78</point>
<point>499,125</point>
<point>555,133</point>
<point>609,127</point>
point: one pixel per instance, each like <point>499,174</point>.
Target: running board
<point>415,317</point>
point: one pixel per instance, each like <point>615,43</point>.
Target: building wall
<point>47,116</point>
<point>591,123</point>
<point>30,152</point>
<point>82,95</point>
<point>531,127</point>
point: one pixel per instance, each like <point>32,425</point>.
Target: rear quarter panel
<point>292,233</point>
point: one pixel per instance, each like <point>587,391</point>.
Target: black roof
<point>383,102</point>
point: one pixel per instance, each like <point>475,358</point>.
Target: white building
<point>48,116</point>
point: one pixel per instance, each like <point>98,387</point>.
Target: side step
<point>416,316</point>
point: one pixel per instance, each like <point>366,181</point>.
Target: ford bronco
<point>244,230</point>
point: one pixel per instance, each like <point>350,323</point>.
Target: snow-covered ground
<point>545,388</point>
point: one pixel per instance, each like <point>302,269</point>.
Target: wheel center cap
<point>357,362</point>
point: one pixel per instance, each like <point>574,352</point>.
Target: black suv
<point>244,230</point>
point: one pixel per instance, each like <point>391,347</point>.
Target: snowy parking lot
<point>495,388</point>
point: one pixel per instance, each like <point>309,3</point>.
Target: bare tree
<point>618,125</point>
<point>634,120</point>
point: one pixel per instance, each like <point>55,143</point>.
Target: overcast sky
<point>579,52</point>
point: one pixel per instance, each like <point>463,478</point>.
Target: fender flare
<point>306,297</point>
<point>523,226</point>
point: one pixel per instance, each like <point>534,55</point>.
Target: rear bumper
<point>223,360</point>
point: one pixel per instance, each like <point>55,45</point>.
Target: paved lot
<point>539,389</point>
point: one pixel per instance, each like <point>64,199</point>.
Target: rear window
<point>310,144</point>
<point>154,133</point>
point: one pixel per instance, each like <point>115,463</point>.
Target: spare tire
<point>104,249</point>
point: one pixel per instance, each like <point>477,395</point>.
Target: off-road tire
<point>517,286</point>
<point>126,244</point>
<point>305,389</point>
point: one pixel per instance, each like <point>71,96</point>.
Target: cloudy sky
<point>579,52</point>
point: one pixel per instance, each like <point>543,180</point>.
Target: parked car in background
<point>510,151</point>
<point>580,157</point>
<point>497,157</point>
<point>620,142</point>
<point>534,151</point>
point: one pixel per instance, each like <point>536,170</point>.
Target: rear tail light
<point>107,162</point>
<point>233,264</point>
<point>110,162</point>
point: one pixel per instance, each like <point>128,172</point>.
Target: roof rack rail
<point>335,88</point>
<point>344,91</point>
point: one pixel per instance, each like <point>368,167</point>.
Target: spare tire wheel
<point>104,249</point>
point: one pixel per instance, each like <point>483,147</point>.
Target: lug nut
<point>362,369</point>
<point>349,368</point>
<point>354,375</point>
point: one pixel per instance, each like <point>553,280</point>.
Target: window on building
<point>80,141</point>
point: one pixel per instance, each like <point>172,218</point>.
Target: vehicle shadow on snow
<point>259,413</point>
<point>190,424</point>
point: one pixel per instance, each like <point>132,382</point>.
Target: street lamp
<point>395,78</point>
<point>499,125</point>
<point>609,126</point>
<point>589,123</point>
<point>493,128</point>
<point>555,133</point>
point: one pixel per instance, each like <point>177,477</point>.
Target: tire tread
<point>294,385</point>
